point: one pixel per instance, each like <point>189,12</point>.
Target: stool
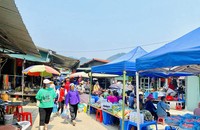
<point>143,126</point>
<point>178,107</point>
<point>19,109</point>
<point>26,116</point>
<point>9,109</point>
<point>99,116</point>
<point>161,120</point>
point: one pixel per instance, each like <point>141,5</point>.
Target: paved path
<point>84,122</point>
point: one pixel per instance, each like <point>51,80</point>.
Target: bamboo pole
<point>90,76</point>
<point>123,100</point>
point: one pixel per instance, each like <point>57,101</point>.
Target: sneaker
<point>73,123</point>
<point>57,113</point>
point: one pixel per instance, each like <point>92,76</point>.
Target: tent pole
<point>123,102</point>
<point>90,76</point>
<point>148,84</point>
<point>23,63</point>
<point>137,97</point>
<point>166,82</point>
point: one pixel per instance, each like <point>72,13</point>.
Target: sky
<point>102,28</point>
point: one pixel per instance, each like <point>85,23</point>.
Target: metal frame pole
<point>137,96</point>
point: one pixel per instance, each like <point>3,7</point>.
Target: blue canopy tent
<point>183,51</point>
<point>161,74</point>
<point>125,65</point>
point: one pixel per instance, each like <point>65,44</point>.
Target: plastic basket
<point>189,116</point>
<point>189,126</point>
<point>8,119</point>
<point>125,124</point>
<point>173,121</point>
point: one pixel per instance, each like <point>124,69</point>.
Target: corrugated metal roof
<point>13,33</point>
<point>65,62</point>
<point>95,59</point>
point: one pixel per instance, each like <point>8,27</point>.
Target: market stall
<point>110,112</point>
<point>124,65</point>
<point>186,48</point>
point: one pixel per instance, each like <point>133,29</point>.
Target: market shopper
<point>150,107</point>
<point>67,83</point>
<point>45,96</point>
<point>141,102</point>
<point>73,99</point>
<point>162,108</point>
<point>96,87</point>
<point>197,110</point>
<point>52,85</point>
<point>111,98</point>
<point>131,100</point>
<point>61,98</point>
<point>81,87</point>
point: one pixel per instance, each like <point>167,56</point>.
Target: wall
<point>192,92</point>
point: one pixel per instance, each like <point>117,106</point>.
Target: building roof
<point>57,60</point>
<point>65,62</point>
<point>14,36</point>
<point>95,59</point>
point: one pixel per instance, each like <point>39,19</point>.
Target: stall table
<point>128,123</point>
<point>31,96</point>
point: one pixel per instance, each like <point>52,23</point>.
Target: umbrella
<point>79,74</point>
<point>40,70</point>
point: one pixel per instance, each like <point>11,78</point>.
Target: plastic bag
<point>64,114</point>
<point>55,108</point>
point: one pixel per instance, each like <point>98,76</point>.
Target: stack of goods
<point>133,117</point>
<point>185,122</point>
<point>106,105</point>
<point>97,104</point>
<point>81,106</point>
<point>126,113</point>
<point>116,108</point>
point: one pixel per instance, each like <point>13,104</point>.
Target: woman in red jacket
<point>61,98</point>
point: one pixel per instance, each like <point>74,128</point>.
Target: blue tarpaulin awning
<point>183,51</point>
<point>123,63</point>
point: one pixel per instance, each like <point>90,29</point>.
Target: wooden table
<point>12,107</point>
<point>31,96</point>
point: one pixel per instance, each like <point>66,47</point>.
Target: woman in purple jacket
<point>73,99</point>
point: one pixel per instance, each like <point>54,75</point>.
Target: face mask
<point>48,85</point>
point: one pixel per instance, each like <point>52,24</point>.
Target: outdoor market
<point>140,90</point>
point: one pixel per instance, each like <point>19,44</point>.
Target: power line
<point>77,51</point>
